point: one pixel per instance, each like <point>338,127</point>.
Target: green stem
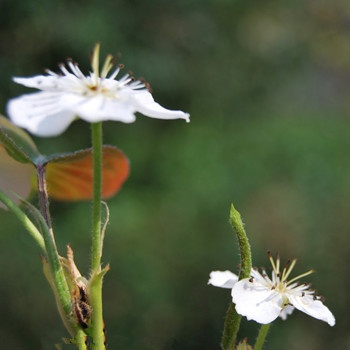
<point>23,218</point>
<point>57,272</point>
<point>260,340</point>
<point>231,328</point>
<point>80,337</point>
<point>233,320</point>
<point>243,242</point>
<point>95,295</point>
<point>57,277</point>
<point>96,205</point>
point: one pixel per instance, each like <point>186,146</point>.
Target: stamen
<point>274,267</point>
<point>287,271</point>
<point>50,72</point>
<point>136,85</point>
<point>63,69</point>
<point>75,69</point>
<point>107,66</point>
<point>145,84</point>
<point>278,266</point>
<point>115,73</point>
<point>95,60</point>
<point>300,276</point>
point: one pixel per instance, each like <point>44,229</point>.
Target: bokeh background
<point>267,86</point>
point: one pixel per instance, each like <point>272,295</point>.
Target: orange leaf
<point>71,179</point>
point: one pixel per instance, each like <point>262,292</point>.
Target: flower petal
<point>312,307</point>
<point>41,113</point>
<point>287,310</point>
<point>223,279</point>
<point>146,105</point>
<point>42,82</point>
<point>99,108</point>
<point>256,302</point>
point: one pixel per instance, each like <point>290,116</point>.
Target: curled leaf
<point>17,142</point>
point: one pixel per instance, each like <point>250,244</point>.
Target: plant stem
<point>243,242</point>
<point>96,205</point>
<point>233,320</point>
<point>56,269</point>
<point>231,328</point>
<point>80,337</point>
<point>96,251</point>
<point>260,340</point>
<point>58,278</point>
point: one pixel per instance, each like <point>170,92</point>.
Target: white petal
<point>256,302</point>
<point>312,307</point>
<point>223,279</point>
<point>288,310</point>
<point>145,104</point>
<point>99,108</point>
<point>41,82</point>
<point>40,113</point>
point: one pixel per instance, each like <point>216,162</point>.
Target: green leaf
<point>17,142</point>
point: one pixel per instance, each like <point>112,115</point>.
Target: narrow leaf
<point>23,218</point>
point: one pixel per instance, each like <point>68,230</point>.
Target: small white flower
<point>262,299</point>
<point>93,98</point>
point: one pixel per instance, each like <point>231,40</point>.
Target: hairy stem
<point>96,205</point>
<point>56,269</point>
<point>260,340</point>
<point>233,320</point>
<point>56,274</point>
<point>96,250</point>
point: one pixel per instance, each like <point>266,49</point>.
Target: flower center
<point>100,82</point>
<point>279,280</point>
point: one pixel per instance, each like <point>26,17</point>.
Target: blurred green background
<point>267,86</point>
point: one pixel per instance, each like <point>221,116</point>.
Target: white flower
<point>93,98</point>
<point>262,299</point>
